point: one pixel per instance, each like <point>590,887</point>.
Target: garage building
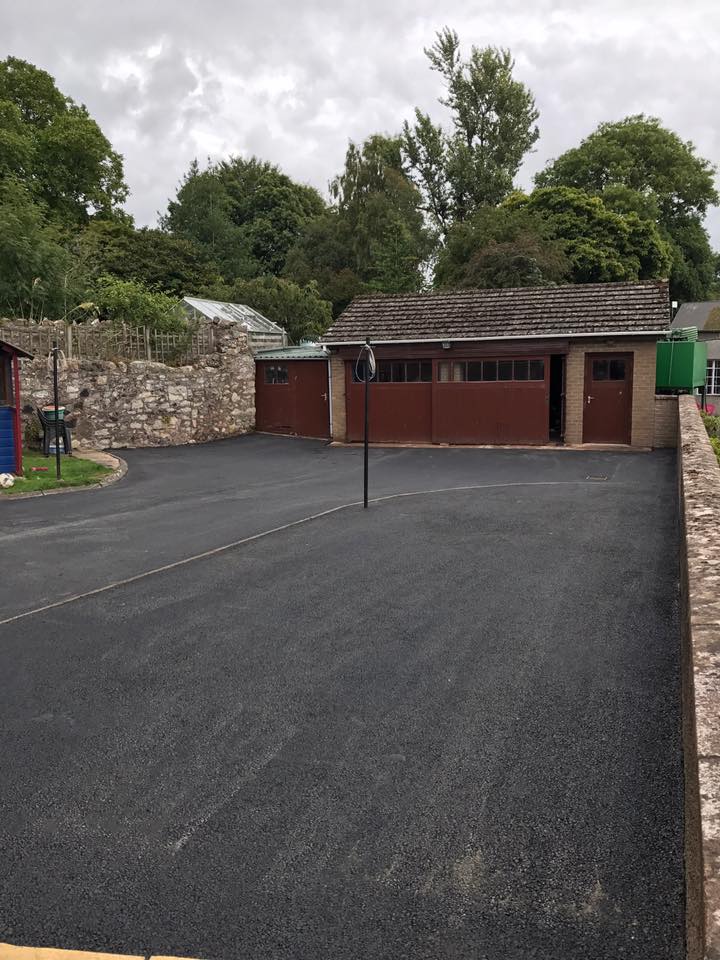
<point>530,365</point>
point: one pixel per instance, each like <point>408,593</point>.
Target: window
<point>396,371</point>
<point>490,371</point>
<point>276,374</point>
<point>713,377</point>
<point>610,368</point>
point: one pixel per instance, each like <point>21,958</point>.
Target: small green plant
<point>712,425</point>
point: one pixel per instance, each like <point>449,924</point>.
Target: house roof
<point>253,321</point>
<point>518,312</point>
<point>704,315</point>
<point>306,351</point>
<point>6,345</point>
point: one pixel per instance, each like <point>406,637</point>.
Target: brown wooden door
<point>607,403</point>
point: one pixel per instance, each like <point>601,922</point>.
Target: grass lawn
<point>75,473</point>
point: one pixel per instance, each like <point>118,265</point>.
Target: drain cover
<point>596,478</point>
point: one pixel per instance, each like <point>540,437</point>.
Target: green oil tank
<point>681,362</point>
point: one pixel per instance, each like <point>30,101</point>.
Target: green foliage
<point>38,277</point>
<point>501,247</point>
<point>246,214</point>
<point>374,238</point>
<point>154,258</point>
<point>300,310</point>
<point>126,301</point>
<point>493,127</point>
<point>55,148</point>
<point>712,423</point>
<point>715,444</point>
<point>600,244</point>
<point>637,164</point>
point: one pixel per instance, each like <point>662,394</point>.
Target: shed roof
<point>705,315</point>
<point>306,351</point>
<point>253,321</point>
<point>6,345</point>
<point>517,312</point>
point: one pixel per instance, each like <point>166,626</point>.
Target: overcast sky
<point>169,80</point>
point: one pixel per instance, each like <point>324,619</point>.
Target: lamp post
<point>56,401</point>
<point>370,368</point>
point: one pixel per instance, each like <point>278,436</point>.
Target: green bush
<point>127,301</point>
<point>712,424</point>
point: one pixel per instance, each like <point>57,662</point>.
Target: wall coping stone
<point>699,481</point>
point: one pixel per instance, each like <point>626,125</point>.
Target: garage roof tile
<point>570,310</point>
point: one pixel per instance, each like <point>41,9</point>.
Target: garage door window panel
<point>275,376</point>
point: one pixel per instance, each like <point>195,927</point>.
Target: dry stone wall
<point>144,404</point>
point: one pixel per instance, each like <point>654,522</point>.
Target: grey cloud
<point>218,84</point>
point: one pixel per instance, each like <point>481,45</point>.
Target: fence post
<point>68,341</point>
<point>148,348</point>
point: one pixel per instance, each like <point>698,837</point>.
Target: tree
<point>246,213</point>
<point>53,146</point>
<point>600,244</point>
<point>501,247</point>
<point>323,256</point>
<point>493,127</point>
<point>638,164</point>
<point>38,277</point>
<point>374,237</point>
<point>300,310</point>
<point>154,258</point>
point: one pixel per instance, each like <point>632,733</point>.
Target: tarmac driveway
<point>445,727</point>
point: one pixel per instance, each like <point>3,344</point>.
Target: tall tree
<point>154,258</point>
<point>53,146</point>
<point>600,244</point>
<point>493,127</point>
<point>374,237</point>
<point>246,213</point>
<point>638,164</point>
<point>505,246</point>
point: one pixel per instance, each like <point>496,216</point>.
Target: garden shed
<point>292,391</point>
<point>10,408</point>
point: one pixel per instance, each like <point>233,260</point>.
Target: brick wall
<point>339,415</point>
<point>666,422</point>
<point>643,401</point>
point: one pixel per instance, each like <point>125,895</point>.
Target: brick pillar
<point>339,412</point>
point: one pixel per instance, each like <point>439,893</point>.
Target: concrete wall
<point>643,402</point>
<point>144,404</point>
<point>699,483</point>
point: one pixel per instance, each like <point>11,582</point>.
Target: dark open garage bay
<point>447,727</point>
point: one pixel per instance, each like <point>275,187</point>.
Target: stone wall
<point>643,400</point>
<point>144,404</point>
<point>699,481</point>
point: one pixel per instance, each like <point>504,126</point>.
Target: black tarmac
<point>445,727</point>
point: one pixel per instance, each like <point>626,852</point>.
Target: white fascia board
<point>525,336</point>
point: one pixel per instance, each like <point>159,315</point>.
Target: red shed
<point>10,411</point>
<point>291,391</point>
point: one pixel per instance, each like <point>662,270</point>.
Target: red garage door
<point>291,397</point>
<point>493,400</point>
<point>400,398</point>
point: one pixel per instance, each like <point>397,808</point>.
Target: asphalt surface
<point>446,727</point>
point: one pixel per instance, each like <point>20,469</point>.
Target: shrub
<point>127,301</point>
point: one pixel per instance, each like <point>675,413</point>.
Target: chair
<point>48,426</point>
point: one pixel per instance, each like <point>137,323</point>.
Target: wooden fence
<point>111,342</point>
